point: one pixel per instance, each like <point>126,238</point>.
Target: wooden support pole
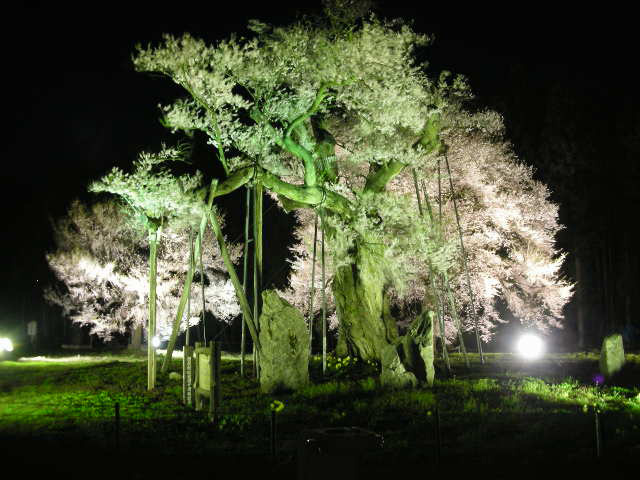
<point>185,361</point>
<point>245,275</point>
<point>257,263</point>
<point>191,267</point>
<point>151,330</point>
<point>445,279</point>
<point>456,318</point>
<point>237,285</point>
<point>474,314</point>
<point>197,397</point>
<point>312,294</point>
<point>324,302</point>
<point>204,305</point>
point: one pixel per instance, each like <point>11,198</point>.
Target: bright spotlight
<point>155,341</point>
<point>6,345</point>
<point>530,346</point>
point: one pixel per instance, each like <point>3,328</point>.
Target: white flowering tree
<point>508,227</point>
<point>102,261</point>
<point>329,117</point>
<point>157,198</point>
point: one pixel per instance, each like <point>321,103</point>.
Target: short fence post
<point>196,396</point>
<point>117,426</point>
<point>187,375</point>
<point>438,438</point>
<point>215,349</point>
<point>598,428</point>
<point>273,434</point>
<point>217,388</point>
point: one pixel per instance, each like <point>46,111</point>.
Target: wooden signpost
<point>201,376</point>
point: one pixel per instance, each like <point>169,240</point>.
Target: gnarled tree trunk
<point>366,325</point>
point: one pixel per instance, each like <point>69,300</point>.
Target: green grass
<point>501,408</point>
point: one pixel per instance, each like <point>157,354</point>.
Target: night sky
<point>77,108</point>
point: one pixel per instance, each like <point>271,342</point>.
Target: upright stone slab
<point>284,338</point>
<point>611,355</point>
<point>417,348</point>
<point>394,374</point>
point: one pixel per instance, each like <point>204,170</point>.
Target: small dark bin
<point>334,452</point>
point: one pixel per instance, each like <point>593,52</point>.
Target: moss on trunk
<point>366,325</point>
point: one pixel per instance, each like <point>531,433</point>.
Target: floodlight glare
<point>530,346</point>
<point>6,345</point>
<point>155,341</point>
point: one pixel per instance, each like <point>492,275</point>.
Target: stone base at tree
<point>416,349</point>
<point>394,374</point>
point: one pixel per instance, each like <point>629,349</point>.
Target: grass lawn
<point>57,415</point>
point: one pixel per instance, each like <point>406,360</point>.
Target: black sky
<point>76,107</point>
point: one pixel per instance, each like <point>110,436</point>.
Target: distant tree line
<point>583,137</point>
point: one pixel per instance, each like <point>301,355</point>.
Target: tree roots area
<point>92,417</point>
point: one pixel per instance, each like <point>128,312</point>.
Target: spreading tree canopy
<point>333,116</point>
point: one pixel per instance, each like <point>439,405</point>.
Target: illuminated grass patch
<point>76,399</point>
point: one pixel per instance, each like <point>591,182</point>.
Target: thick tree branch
<point>320,96</point>
<point>378,178</point>
<point>305,195</point>
<point>310,174</point>
<point>235,181</point>
<point>429,141</point>
<point>288,143</point>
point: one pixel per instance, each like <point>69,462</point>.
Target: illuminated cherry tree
<point>508,226</point>
<point>334,117</point>
<point>101,260</point>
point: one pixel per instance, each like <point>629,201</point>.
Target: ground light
<point>6,345</point>
<point>530,346</point>
<point>155,341</point>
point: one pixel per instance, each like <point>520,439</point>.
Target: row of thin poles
<point>443,289</point>
<point>313,288</point>
<point>440,283</point>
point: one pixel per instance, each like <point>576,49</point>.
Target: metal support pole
<point>117,426</point>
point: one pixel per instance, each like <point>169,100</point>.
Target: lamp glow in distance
<point>530,346</point>
<point>155,341</point>
<point>6,345</point>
